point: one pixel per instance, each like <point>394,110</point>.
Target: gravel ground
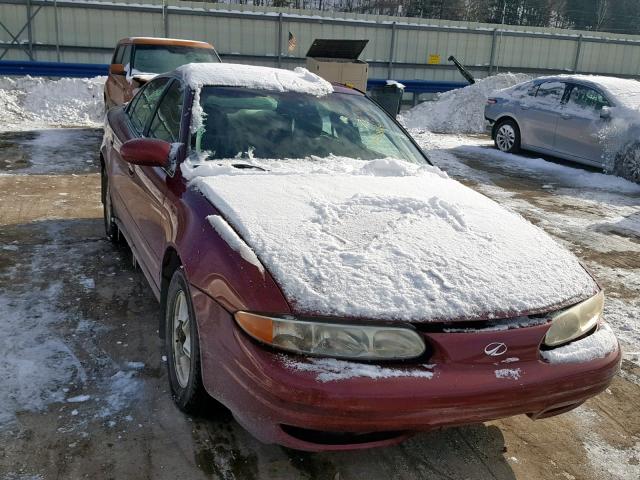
<point>95,404</point>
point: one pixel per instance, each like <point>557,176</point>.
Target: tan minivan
<point>136,60</point>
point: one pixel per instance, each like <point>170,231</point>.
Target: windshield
<point>164,58</point>
<point>244,123</point>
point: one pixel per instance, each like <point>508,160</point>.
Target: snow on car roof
<point>300,80</point>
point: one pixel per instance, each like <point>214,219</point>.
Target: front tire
<point>182,347</point>
<point>627,163</point>
<point>110,227</point>
<point>507,136</point>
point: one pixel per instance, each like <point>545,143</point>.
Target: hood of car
<point>388,240</point>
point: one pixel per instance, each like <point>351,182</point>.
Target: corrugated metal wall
<point>87,31</point>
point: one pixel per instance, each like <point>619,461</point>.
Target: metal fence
<point>80,31</point>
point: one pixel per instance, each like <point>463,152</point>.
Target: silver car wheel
<point>632,165</point>
<point>505,138</point>
<point>181,341</point>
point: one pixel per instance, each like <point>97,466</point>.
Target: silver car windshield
<point>244,123</point>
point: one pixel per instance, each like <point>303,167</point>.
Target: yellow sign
<point>433,59</point>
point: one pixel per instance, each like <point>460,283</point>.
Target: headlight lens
<point>333,340</point>
<point>575,321</point>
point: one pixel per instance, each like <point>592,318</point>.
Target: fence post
<point>392,49</point>
<point>279,40</point>
<point>576,61</point>
<point>57,29</point>
<point>492,58</point>
<point>30,31</point>
<point>165,18</point>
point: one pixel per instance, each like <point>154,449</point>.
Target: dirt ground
<point>61,281</point>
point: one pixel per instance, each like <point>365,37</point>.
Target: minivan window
<point>144,103</point>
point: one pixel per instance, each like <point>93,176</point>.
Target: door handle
<point>566,116</point>
<point>524,106</point>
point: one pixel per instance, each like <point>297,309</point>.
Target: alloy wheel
<point>631,165</point>
<point>505,138</point>
<point>181,341</point>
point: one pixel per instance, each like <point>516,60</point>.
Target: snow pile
<point>461,110</point>
<point>349,241</point>
<point>597,345</point>
<point>330,369</point>
<point>35,102</point>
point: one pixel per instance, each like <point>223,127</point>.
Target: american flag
<point>292,42</point>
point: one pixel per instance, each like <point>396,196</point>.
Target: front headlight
<point>574,322</point>
<point>332,339</point>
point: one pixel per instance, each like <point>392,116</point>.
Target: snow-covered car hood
<point>385,239</point>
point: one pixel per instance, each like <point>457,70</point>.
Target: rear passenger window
<point>144,104</point>
<point>166,122</point>
<point>550,93</point>
<point>586,98</point>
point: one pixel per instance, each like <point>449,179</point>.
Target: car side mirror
<point>605,112</point>
<point>116,69</point>
<point>149,152</point>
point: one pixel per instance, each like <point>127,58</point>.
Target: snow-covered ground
<point>29,103</point>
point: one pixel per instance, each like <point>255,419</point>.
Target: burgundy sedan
<point>326,283</point>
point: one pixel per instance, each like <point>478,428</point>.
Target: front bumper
<point>280,403</point>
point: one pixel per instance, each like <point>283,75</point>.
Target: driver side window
<point>166,122</point>
<point>144,104</point>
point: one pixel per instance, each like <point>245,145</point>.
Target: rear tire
<point>507,136</point>
<point>627,163</point>
<point>183,348</point>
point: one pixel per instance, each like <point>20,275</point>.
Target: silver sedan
<point>587,119</point>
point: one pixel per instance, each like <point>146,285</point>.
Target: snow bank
<point>597,345</point>
<point>388,239</point>
<point>34,102</point>
<point>461,110</point>
<point>330,369</point>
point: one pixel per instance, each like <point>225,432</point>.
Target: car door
<point>579,124</point>
<point>539,115</point>
<point>150,214</point>
<point>129,188</point>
